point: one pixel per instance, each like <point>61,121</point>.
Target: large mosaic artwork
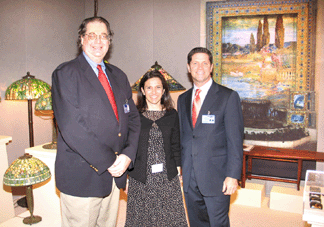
<point>265,51</point>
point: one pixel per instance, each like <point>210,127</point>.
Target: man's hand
<point>119,167</point>
<point>229,186</point>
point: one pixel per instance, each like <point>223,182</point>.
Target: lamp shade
<point>27,88</point>
<point>26,170</point>
<point>44,102</point>
<point>172,83</point>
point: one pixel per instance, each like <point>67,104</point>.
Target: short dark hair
<point>199,50</point>
<point>83,27</point>
<point>166,99</point>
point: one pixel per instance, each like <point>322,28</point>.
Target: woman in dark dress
<point>154,191</point>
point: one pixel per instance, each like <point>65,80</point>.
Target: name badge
<point>126,108</point>
<point>157,168</point>
<point>208,119</point>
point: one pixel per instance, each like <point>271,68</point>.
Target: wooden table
<point>278,154</point>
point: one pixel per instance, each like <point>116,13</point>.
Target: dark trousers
<point>206,210</point>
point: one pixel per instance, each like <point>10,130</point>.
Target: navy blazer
<point>89,135</point>
<point>214,151</point>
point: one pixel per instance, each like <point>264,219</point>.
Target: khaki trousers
<point>90,211</point>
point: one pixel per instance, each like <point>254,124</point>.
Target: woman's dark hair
<point>166,99</point>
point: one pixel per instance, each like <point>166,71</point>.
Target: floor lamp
<point>28,88</point>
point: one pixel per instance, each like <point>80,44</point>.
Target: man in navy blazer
<point>212,150</point>
<point>95,148</point>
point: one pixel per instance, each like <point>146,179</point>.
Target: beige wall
<point>36,36</point>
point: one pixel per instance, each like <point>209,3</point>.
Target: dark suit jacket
<point>89,135</point>
<point>214,151</point>
<point>169,126</point>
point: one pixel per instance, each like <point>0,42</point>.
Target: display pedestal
<point>46,195</point>
<point>251,195</point>
<point>313,198</point>
<point>286,199</point>
<point>6,205</point>
<point>312,216</point>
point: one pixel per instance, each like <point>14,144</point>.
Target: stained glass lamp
<point>27,171</point>
<point>43,107</point>
<point>173,84</point>
<point>28,88</point>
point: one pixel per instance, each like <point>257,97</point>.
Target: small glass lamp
<point>27,171</point>
<point>28,88</point>
<point>43,107</point>
<point>173,84</point>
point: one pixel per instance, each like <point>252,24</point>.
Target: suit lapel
<point>188,106</point>
<point>119,97</point>
<point>92,78</point>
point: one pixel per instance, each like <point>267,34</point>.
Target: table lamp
<point>27,171</point>
<point>172,83</point>
<point>43,107</point>
<point>28,88</point>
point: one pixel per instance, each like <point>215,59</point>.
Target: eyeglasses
<point>93,36</point>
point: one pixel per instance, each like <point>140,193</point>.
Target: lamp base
<point>32,220</point>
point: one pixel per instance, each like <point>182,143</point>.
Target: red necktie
<point>196,107</point>
<point>105,83</point>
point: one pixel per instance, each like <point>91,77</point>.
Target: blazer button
<point>119,134</point>
<point>116,153</point>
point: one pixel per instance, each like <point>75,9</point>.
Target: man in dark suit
<point>98,130</point>
<point>211,130</point>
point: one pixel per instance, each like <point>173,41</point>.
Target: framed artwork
<point>297,118</point>
<point>299,101</point>
<point>265,51</point>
